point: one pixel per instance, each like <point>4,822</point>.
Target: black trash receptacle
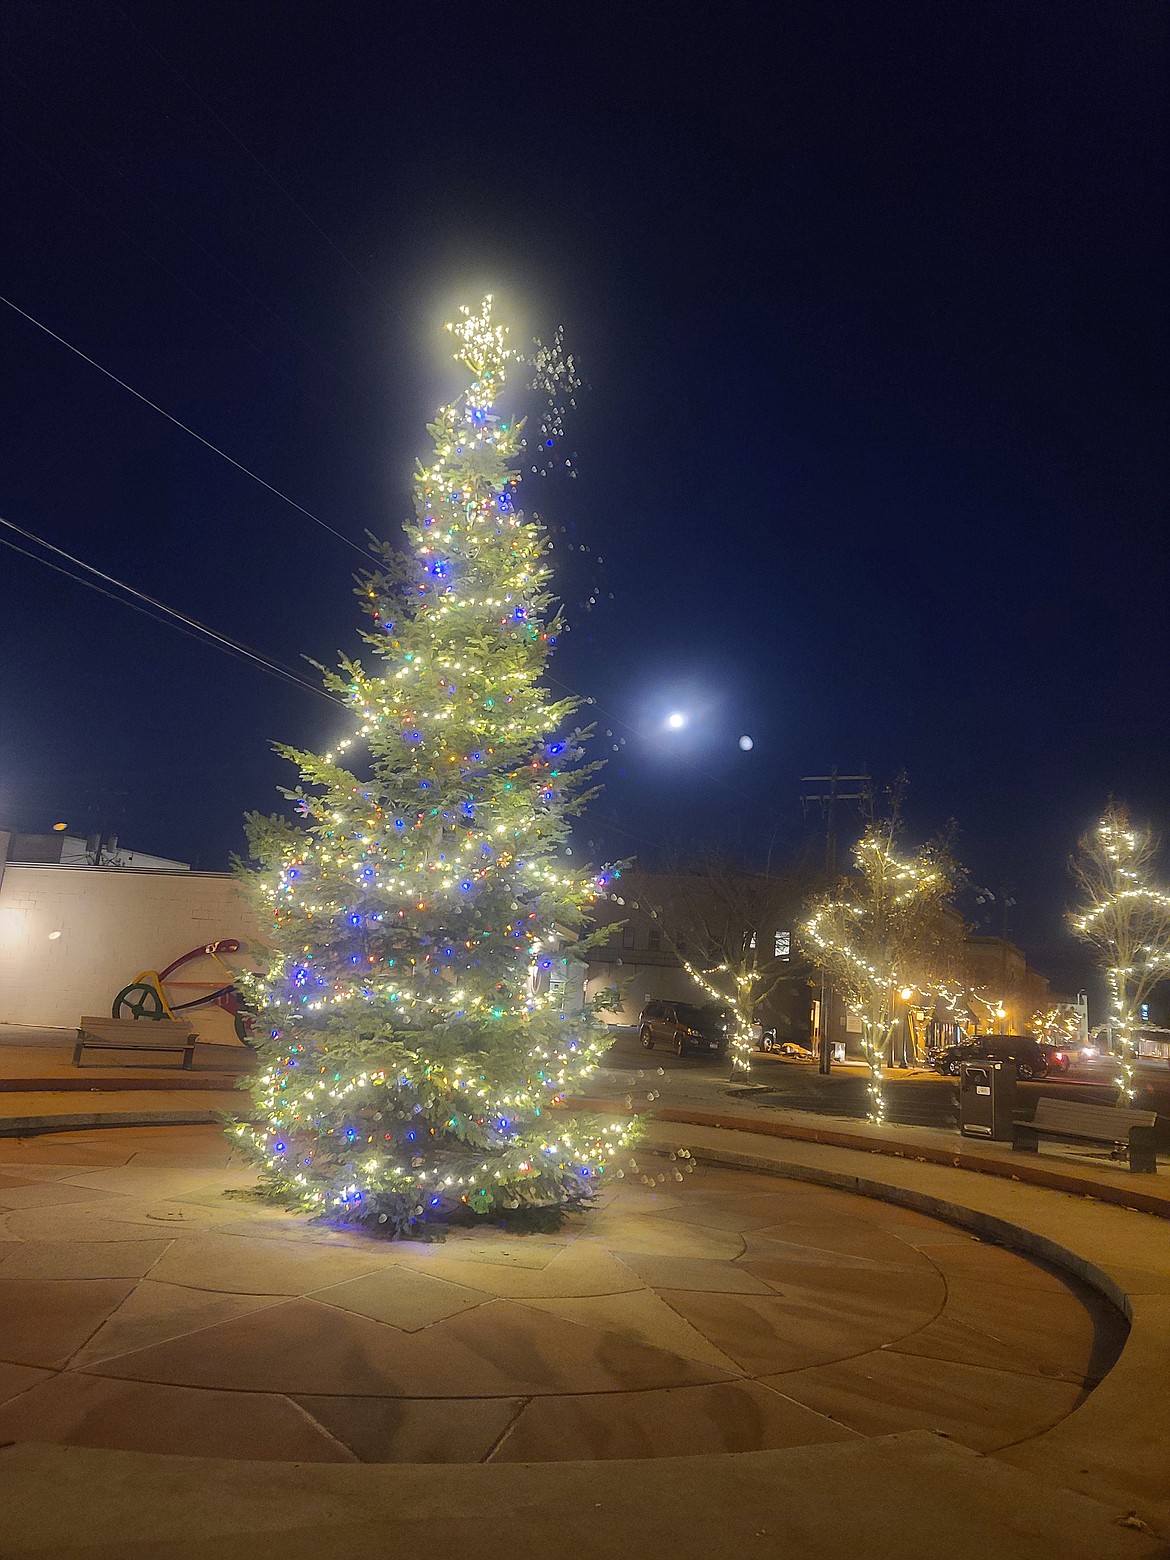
<point>987,1100</point>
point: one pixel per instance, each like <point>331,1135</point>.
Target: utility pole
<point>829,794</point>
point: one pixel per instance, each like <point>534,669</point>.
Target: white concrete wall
<point>113,924</point>
<point>638,983</point>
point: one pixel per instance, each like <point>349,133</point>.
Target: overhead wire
<point>308,217</point>
<point>620,720</point>
<point>152,607</point>
<point>145,399</point>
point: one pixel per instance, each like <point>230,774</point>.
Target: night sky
<point>871,314</point>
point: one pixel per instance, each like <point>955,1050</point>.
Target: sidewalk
<point>704,1099</point>
<point>42,1091</point>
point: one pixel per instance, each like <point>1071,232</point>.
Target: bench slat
<point>140,1029</point>
<point>1112,1136</point>
<point>1108,1121</point>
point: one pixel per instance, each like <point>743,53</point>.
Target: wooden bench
<point>132,1034</point>
<point>1132,1130</point>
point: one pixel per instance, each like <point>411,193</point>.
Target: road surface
<point>913,1099</point>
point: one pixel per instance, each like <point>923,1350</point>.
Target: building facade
<point>72,936</point>
<point>657,923</point>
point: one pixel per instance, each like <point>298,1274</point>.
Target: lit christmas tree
<point>413,1063</point>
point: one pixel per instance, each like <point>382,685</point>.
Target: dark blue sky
<point>872,315</point>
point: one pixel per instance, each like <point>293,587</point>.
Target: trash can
<point>987,1099</point>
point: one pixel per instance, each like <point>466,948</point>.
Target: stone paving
<point>696,1310</point>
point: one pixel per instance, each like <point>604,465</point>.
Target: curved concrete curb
<point>1115,1446</point>
<point>1141,1192</point>
<point>176,1113</point>
<point>902,1497</point>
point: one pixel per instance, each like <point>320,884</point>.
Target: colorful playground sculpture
<point>155,994</point>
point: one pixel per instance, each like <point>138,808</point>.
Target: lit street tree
<point>412,1065</point>
<point>1126,916</point>
<point>884,929</point>
<point>737,919</point>
<point>1058,1024</point>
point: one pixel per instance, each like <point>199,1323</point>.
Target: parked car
<point>1029,1055</point>
<point>684,1026</point>
<point>1058,1057</point>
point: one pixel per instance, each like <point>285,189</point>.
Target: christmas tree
<point>412,1064</point>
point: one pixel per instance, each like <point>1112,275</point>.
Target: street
<point>913,1099</point>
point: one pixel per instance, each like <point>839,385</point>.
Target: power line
<point>309,218</point>
<point>712,779</point>
<point>248,472</point>
<point>151,607</point>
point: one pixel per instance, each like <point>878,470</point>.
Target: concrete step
<point>26,1114</point>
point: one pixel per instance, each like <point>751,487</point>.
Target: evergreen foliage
<point>414,1053</point>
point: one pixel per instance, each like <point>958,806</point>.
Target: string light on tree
<point>411,1070</point>
<point>1125,914</point>
<point>1059,1024</point>
<point>881,933</point>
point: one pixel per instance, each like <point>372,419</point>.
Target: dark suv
<point>684,1026</point>
<point>1030,1058</point>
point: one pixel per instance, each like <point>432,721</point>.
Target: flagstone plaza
<point>712,1311</point>
<point>702,1317</point>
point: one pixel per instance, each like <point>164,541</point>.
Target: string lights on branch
<point>1125,914</point>
<point>413,1065</point>
<point>882,932</point>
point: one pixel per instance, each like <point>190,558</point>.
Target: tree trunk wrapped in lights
<point>884,930</point>
<point>411,1067</point>
<point>1126,916</point>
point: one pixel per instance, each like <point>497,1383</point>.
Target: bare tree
<point>885,930</point>
<point>739,924</point>
<point>1126,916</point>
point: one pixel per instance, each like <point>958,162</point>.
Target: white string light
<point>1127,918</point>
<point>876,935</point>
